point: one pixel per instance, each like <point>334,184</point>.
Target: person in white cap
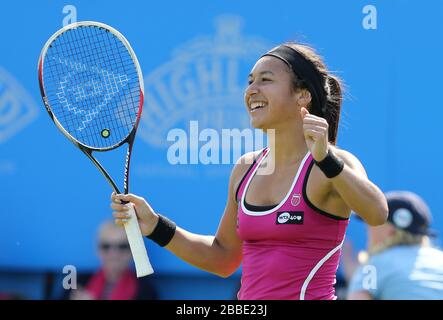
<point>402,264</point>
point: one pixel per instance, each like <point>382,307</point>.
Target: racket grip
<point>142,265</point>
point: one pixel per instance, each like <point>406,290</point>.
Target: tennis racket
<point>92,87</point>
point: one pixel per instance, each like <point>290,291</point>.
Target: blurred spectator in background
<point>12,296</point>
<point>401,263</point>
<point>114,280</point>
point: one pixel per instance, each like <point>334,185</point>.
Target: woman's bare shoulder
<point>242,166</point>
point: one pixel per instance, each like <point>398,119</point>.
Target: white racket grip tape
<point>135,238</point>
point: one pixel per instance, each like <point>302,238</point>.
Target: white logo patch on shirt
<point>290,217</point>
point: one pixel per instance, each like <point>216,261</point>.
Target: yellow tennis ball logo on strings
<point>105,133</point>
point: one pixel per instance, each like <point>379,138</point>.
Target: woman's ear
<point>303,98</point>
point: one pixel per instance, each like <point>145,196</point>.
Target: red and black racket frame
<point>88,150</point>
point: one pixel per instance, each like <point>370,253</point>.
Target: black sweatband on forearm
<point>331,165</point>
<point>163,232</point>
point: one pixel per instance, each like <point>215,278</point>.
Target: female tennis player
<point>286,227</point>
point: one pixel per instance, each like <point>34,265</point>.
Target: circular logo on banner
<point>402,218</point>
<point>204,80</point>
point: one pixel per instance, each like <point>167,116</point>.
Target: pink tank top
<point>290,251</point>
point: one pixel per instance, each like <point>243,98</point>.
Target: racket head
<point>92,85</point>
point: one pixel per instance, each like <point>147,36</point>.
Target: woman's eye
<point>262,79</point>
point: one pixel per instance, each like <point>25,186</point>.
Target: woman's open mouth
<point>257,105</point>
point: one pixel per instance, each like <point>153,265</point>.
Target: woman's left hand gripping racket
<point>92,87</point>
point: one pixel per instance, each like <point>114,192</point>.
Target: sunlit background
<point>195,57</point>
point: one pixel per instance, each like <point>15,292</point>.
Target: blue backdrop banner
<point>195,57</point>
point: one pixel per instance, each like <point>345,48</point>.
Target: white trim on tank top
<point>262,213</point>
<point>315,269</point>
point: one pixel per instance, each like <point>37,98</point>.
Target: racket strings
<point>96,48</point>
<point>92,86</point>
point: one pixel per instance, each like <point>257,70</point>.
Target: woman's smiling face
<point>270,98</point>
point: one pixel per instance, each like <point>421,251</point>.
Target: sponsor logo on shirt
<point>290,217</point>
<point>295,200</point>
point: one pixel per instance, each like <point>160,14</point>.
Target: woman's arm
<point>359,295</point>
<point>351,185</point>
<point>358,192</point>
<point>220,254</point>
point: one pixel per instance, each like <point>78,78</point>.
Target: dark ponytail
<point>332,86</point>
<point>334,100</point>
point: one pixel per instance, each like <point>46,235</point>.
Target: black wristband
<point>163,231</point>
<point>331,165</point>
